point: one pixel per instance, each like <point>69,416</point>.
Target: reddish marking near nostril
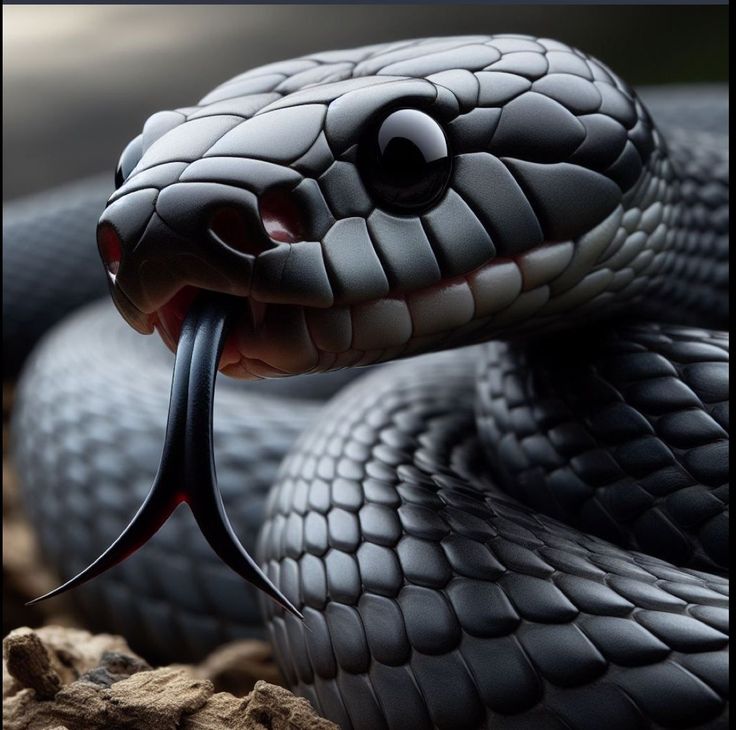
<point>111,249</point>
<point>281,216</point>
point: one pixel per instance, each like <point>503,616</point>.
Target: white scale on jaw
<point>499,292</point>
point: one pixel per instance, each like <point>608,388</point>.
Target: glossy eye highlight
<point>405,162</point>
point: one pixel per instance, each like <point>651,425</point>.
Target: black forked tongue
<point>187,469</point>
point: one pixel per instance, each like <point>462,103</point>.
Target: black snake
<point>375,204</point>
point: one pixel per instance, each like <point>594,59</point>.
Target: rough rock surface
<point>236,667</point>
<point>57,677</point>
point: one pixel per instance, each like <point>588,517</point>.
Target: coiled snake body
<point>526,533</point>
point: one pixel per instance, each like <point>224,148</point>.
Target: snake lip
<point>139,320</point>
<point>169,318</point>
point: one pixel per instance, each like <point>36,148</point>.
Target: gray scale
<point>414,518</point>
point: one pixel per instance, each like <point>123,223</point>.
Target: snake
<point>474,299</point>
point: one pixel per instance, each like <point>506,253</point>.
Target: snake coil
<point>527,530</point>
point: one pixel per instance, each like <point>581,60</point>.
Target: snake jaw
<point>140,321</point>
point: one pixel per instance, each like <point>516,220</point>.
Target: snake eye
<point>128,160</point>
<point>405,162</point>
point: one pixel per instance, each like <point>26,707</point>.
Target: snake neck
<point>690,256</point>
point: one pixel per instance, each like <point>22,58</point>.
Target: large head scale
<point>387,200</point>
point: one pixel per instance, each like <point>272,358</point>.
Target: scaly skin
<point>430,598</point>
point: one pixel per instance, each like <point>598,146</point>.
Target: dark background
<point>79,81</point>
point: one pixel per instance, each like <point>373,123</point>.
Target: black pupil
<point>406,163</point>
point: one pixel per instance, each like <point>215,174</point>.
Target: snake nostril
<point>281,217</point>
<point>111,250</point>
<point>230,227</point>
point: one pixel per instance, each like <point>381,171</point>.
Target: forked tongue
<point>187,469</point>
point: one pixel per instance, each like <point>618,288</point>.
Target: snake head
<point>390,200</point>
<point>364,205</point>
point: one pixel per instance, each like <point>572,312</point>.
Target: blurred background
<point>79,81</point>
<point>78,84</point>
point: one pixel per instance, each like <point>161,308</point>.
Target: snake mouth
<point>274,339</point>
<point>169,319</point>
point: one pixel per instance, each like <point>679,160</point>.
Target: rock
<point>275,708</point>
<point>67,679</point>
<point>29,664</point>
<point>236,667</point>
<point>114,666</point>
<point>157,698</point>
<point>68,653</point>
<point>267,707</point>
